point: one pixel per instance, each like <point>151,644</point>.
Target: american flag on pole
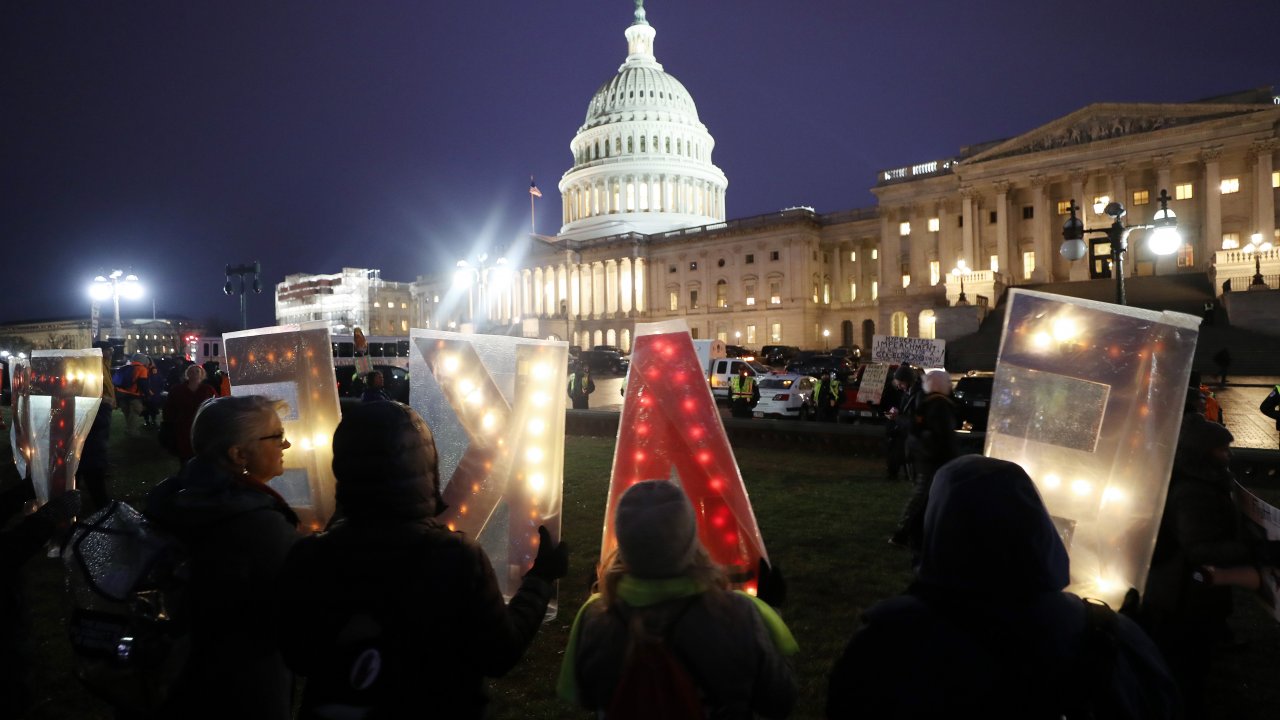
<point>533,188</point>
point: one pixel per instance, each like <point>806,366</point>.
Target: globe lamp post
<point>959,272</point>
<point>1165,239</point>
<point>1255,247</point>
<point>112,286</point>
<point>249,277</point>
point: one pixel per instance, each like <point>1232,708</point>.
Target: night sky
<point>172,138</point>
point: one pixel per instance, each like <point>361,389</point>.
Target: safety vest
<point>742,387</point>
<point>833,388</point>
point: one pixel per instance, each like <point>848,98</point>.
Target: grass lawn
<point>824,519</point>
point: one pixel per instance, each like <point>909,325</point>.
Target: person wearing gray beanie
<point>389,613</point>
<point>660,586</point>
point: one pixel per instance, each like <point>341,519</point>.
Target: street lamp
<point>112,287</point>
<point>1255,247</point>
<point>826,343</point>
<point>483,275</point>
<point>1164,241</point>
<point>249,277</point>
<point>959,271</point>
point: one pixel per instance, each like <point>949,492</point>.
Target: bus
<point>383,350</point>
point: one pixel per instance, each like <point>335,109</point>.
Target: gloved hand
<point>771,586</point>
<point>552,561</point>
<point>1131,606</point>
<point>62,508</point>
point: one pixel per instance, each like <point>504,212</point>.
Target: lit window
<point>404,306</point>
<point>1229,185</point>
<point>853,291</point>
<point>377,304</point>
<point>1230,241</point>
<point>751,334</point>
<point>693,299</point>
<point>750,292</point>
<point>906,280</point>
<point>693,265</point>
<point>826,292</point>
<point>1141,197</point>
<point>722,294</point>
<point>875,290</point>
<point>995,263</point>
<point>1183,192</point>
<point>404,326</point>
<point>1275,179</point>
<point>935,272</point>
<point>904,228</point>
<point>853,256</point>
<point>1100,202</point>
<point>875,254</point>
<point>775,292</point>
<point>1028,264</point>
<point>673,300</point>
<point>1064,207</point>
<point>775,332</point>
<point>1186,256</point>
<point>933,225</point>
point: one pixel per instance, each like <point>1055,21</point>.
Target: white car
<point>786,396</point>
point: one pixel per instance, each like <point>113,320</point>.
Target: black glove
<point>1131,606</point>
<point>771,586</point>
<point>552,561</point>
<point>62,508</point>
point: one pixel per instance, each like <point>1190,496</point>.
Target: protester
<point>1188,596</point>
<point>661,586</point>
<point>135,391</point>
<point>581,386</point>
<point>931,443</point>
<point>18,544</point>
<point>985,630</point>
<point>901,409</point>
<point>389,612</point>
<point>155,395</point>
<point>92,472</point>
<point>1223,360</point>
<point>238,531</point>
<point>180,412</point>
<point>374,387</point>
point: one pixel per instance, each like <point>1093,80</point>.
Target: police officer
<point>826,397</point>
<point>1271,405</point>
<point>744,393</point>
<point>580,386</point>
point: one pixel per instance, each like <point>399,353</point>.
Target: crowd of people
<point>388,612</point>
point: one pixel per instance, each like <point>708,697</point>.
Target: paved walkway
<point>1240,400</point>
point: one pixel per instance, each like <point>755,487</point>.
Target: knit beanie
<point>1198,436</point>
<point>656,528</point>
<point>384,459</point>
<point>905,374</point>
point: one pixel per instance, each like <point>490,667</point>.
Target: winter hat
<point>1198,436</point>
<point>141,358</point>
<point>656,528</point>
<point>905,374</point>
<point>385,462</point>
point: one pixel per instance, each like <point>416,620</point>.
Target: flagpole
<point>533,229</point>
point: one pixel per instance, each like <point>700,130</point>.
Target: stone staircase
<point>1252,353</point>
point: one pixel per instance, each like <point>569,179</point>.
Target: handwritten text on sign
<point>921,352</point>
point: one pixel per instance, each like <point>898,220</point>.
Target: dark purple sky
<point>176,137</point>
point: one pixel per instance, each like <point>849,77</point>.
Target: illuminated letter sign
<point>56,400</point>
<point>294,363</point>
<point>495,406</point>
<point>1088,399</point>
<point>671,429</point>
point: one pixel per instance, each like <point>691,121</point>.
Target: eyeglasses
<point>278,437</point>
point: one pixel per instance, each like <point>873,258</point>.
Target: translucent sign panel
<point>56,402</point>
<point>294,363</point>
<point>1088,399</point>
<point>670,430</point>
<point>19,436</point>
<point>495,405</point>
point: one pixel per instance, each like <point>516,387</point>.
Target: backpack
<point>129,625</point>
<point>654,682</point>
<point>124,376</point>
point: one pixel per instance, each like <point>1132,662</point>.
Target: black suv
<point>604,362</point>
<point>973,397</point>
<point>777,354</point>
<point>823,365</point>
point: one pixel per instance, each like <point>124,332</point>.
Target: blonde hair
<point>702,570</point>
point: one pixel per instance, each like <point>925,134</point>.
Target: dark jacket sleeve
<point>24,540</point>
<point>503,631</point>
<point>1271,406</point>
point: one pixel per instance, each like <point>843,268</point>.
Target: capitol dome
<point>642,159</point>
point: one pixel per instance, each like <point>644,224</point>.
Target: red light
<point>716,484</point>
<point>679,376</point>
<point>704,457</point>
<point>640,456</point>
<point>689,405</point>
<point>783,396</point>
<point>718,521</point>
<point>642,429</point>
<point>696,432</point>
<point>731,537</point>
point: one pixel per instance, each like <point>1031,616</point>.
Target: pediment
<point>1108,121</point>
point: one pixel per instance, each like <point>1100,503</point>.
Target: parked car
<point>822,365</point>
<point>973,399</point>
<point>395,382</point>
<point>608,348</point>
<point>786,396</point>
<point>604,362</point>
<point>737,351</point>
<point>777,355</point>
<point>722,369</point>
<point>853,352</point>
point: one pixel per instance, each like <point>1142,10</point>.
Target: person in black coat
<point>986,630</point>
<point>238,531</point>
<point>931,443</point>
<point>900,409</point>
<point>389,612</point>
<point>580,387</point>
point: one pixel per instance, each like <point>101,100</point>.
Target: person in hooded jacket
<point>389,613</point>
<point>662,583</point>
<point>238,532</point>
<point>931,443</point>
<point>985,630</point>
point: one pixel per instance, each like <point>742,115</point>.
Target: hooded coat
<point>390,600</point>
<point>986,630</point>
<point>238,534</point>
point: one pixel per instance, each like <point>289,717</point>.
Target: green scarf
<point>638,592</point>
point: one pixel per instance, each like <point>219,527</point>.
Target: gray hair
<point>193,370</point>
<point>937,381</point>
<point>226,422</point>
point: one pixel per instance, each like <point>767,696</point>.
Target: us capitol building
<point>645,235</point>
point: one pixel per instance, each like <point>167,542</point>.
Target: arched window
<point>826,289</point>
<point>898,324</point>
<point>630,146</point>
<point>611,337</point>
<point>617,146</point>
<point>927,324</point>
<point>624,340</point>
<point>668,146</point>
<point>599,338</point>
<point>643,142</point>
<point>814,283</point>
<point>722,294</point>
<point>678,147</point>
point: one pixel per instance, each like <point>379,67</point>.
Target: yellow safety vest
<point>742,387</point>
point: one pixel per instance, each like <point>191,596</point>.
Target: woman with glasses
<point>238,531</point>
